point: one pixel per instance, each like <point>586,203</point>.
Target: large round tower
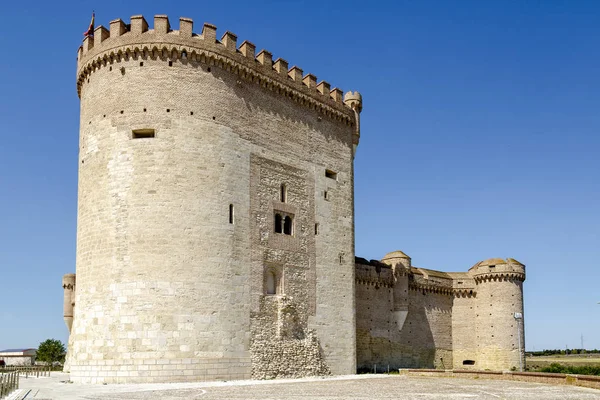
<point>499,314</point>
<point>215,211</point>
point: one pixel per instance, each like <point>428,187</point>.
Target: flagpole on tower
<point>90,30</point>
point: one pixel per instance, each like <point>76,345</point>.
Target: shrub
<point>571,369</point>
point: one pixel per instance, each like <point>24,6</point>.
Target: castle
<point>215,228</point>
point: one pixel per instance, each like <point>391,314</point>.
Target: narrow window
<point>287,225</point>
<point>231,213</point>
<point>283,193</point>
<point>278,224</point>
<point>326,195</point>
<point>316,229</point>
<point>271,285</point>
<point>142,133</point>
<point>330,174</point>
<point>468,362</point>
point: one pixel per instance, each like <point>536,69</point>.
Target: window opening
<point>468,362</point>
<point>278,223</point>
<point>283,193</point>
<point>330,174</point>
<point>287,225</point>
<point>142,133</point>
<point>231,213</point>
<point>316,228</point>
<point>271,283</point>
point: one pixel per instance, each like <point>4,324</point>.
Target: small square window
<point>142,133</point>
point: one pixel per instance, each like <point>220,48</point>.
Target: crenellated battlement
<point>498,269</point>
<point>136,40</point>
<point>373,273</point>
<point>459,284</point>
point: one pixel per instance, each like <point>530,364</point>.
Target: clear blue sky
<point>479,139</point>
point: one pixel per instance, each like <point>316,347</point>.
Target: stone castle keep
<point>215,229</point>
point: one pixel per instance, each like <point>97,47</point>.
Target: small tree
<point>51,351</point>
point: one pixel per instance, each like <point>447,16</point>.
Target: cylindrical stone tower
<point>400,264</point>
<point>192,153</point>
<point>499,314</point>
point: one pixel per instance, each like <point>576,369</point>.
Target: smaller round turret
<point>397,257</point>
<point>400,263</point>
<point>68,284</point>
<point>353,100</point>
<point>499,313</point>
<point>498,268</point>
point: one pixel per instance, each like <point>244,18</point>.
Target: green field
<point>576,364</point>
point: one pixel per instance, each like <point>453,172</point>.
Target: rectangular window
<point>330,174</point>
<point>142,133</point>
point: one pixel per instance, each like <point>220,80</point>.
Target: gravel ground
<point>345,387</point>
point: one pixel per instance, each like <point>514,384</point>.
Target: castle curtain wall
<point>423,341</point>
<point>461,320</point>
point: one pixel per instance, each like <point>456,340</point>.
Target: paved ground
<point>348,387</point>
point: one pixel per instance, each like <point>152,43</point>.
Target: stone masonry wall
<point>166,285</point>
<point>424,340</point>
<point>282,344</point>
<point>454,320</point>
<point>497,330</point>
<point>464,328</point>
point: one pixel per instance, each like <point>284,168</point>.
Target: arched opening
<point>278,223</point>
<point>287,225</point>
<point>283,193</point>
<point>271,284</point>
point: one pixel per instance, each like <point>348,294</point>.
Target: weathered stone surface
<point>177,132</point>
<point>419,318</point>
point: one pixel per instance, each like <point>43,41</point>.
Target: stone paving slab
<point>345,387</point>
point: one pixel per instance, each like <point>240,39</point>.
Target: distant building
<point>18,356</point>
